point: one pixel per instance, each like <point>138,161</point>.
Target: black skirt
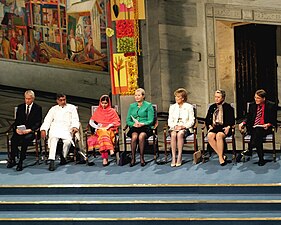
<point>219,128</point>
<point>138,130</point>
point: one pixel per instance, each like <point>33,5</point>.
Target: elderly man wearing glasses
<point>61,122</point>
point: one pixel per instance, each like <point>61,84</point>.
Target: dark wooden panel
<point>255,63</point>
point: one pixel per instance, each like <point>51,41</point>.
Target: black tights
<point>138,139</point>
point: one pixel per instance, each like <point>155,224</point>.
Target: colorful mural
<point>55,32</point>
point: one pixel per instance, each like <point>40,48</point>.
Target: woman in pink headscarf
<point>106,121</point>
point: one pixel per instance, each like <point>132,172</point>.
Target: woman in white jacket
<point>181,119</point>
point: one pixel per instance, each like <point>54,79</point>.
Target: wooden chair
<point>152,140</point>
<point>228,140</point>
<point>270,138</point>
<point>89,132</point>
<point>190,139</point>
<point>36,142</point>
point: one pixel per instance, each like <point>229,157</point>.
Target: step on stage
<point>242,193</point>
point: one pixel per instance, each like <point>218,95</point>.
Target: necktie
<point>27,111</point>
<point>258,116</point>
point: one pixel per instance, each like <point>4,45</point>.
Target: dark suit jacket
<point>270,114</point>
<point>34,119</point>
<point>228,115</point>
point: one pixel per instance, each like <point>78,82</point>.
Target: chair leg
<point>274,151</point>
<point>45,146</point>
<point>87,157</point>
<point>37,153</point>
<point>203,152</point>
<point>165,151</point>
<point>234,150</point>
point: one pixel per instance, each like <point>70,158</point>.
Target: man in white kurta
<point>62,121</point>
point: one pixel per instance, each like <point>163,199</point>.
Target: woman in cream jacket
<point>181,119</point>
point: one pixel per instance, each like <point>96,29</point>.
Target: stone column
<point>150,59</point>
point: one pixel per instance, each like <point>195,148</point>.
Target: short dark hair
<point>261,93</point>
<point>222,92</point>
<point>60,95</point>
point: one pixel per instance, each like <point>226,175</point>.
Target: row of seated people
<point>62,121</point>
<point>220,125</point>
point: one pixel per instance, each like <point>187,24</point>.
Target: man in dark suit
<point>28,114</point>
<point>262,115</point>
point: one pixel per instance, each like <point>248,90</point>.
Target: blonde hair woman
<point>140,119</point>
<point>181,118</point>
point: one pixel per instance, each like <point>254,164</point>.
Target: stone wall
<point>182,47</point>
<point>87,84</point>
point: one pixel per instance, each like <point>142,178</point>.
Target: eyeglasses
<point>62,99</point>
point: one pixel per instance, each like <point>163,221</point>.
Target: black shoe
<point>104,165</point>
<point>52,165</point>
<point>83,161</point>
<point>11,164</point>
<point>142,161</point>
<point>239,158</point>
<point>62,161</point>
<point>19,167</point>
<point>132,163</point>
<point>261,162</point>
<point>225,161</point>
<point>246,153</point>
<point>91,163</point>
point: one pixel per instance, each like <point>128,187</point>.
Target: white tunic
<point>60,120</point>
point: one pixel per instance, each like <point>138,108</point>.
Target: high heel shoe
<point>173,164</point>
<point>142,162</point>
<point>132,163</point>
<point>225,160</point>
<point>178,164</point>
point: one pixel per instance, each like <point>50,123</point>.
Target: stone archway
<point>223,17</point>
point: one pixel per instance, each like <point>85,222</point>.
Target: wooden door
<point>255,63</point>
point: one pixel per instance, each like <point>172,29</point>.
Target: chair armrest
<point>195,126</point>
<point>87,128</point>
<point>9,129</point>
<point>233,129</point>
<point>125,128</point>
<point>203,127</point>
<point>154,129</point>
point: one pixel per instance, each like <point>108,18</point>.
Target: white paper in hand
<point>93,124</point>
<point>134,119</point>
<point>21,127</point>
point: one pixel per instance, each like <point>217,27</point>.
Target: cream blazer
<point>187,115</point>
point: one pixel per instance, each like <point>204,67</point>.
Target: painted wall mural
<point>56,32</point>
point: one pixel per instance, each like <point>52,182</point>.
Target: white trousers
<point>53,147</point>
